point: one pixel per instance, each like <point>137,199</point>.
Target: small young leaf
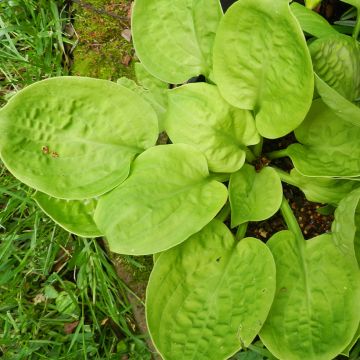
<point>175,42</point>
<point>329,146</point>
<point>254,196</point>
<point>346,226</point>
<point>75,138</point>
<point>145,79</point>
<point>315,312</point>
<point>168,197</point>
<point>75,216</point>
<point>336,60</point>
<point>198,116</point>
<point>209,296</point>
<point>312,22</point>
<point>262,63</point>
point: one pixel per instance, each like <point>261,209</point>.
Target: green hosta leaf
<point>254,196</point>
<point>157,101</point>
<point>315,312</point>
<point>329,146</point>
<point>209,296</point>
<point>312,22</point>
<point>168,197</point>
<point>174,42</point>
<point>198,116</point>
<point>75,138</point>
<point>342,107</point>
<point>336,60</point>
<point>322,190</point>
<point>262,63</point>
<point>346,226</point>
<point>75,216</point>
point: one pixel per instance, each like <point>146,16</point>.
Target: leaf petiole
<point>241,231</point>
<point>290,219</point>
<point>277,154</point>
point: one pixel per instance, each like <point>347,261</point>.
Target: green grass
<point>32,43</point>
<point>50,280</point>
<point>60,296</point>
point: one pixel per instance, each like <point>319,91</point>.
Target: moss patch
<point>101,50</point>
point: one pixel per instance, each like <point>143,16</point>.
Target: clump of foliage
<point>88,148</point>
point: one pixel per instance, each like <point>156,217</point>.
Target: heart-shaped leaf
<point>209,296</point>
<point>254,196</point>
<point>75,216</point>
<point>174,43</point>
<point>315,312</point>
<point>346,226</point>
<point>198,116</point>
<point>312,22</point>
<point>75,138</point>
<point>329,146</point>
<point>336,60</point>
<point>262,63</point>
<point>168,197</point>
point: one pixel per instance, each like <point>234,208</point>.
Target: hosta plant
<point>88,148</point>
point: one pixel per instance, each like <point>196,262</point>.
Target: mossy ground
<point>101,50</point>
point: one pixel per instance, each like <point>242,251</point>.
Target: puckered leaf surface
<point>75,138</point>
<point>168,197</point>
<point>199,116</point>
<point>329,145</point>
<point>262,63</point>
<point>336,60</point>
<point>315,312</point>
<point>209,296</point>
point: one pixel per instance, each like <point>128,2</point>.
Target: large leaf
<point>174,39</point>
<point>312,22</point>
<point>319,189</point>
<point>262,63</point>
<point>75,216</point>
<point>329,146</point>
<point>346,226</point>
<point>342,107</point>
<point>199,116</point>
<point>315,312</point>
<point>75,138</point>
<point>254,196</point>
<point>336,60</point>
<point>209,296</point>
<point>168,197</point>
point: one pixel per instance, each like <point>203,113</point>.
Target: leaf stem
<point>250,157</point>
<point>277,154</point>
<point>285,176</point>
<point>290,219</point>
<point>224,212</point>
<point>257,149</point>
<point>241,231</point>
